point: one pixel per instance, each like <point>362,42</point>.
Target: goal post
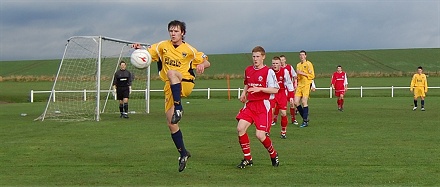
<point>82,89</point>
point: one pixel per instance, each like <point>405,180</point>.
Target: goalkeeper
<point>122,87</point>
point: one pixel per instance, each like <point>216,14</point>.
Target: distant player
<point>293,77</point>
<point>260,85</point>
<point>285,93</point>
<point>419,86</point>
<point>122,85</point>
<point>339,83</point>
<point>306,74</point>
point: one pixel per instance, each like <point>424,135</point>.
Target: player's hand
<point>136,46</point>
<point>200,68</point>
<point>243,98</point>
<point>114,92</point>
<point>254,90</point>
<point>130,90</point>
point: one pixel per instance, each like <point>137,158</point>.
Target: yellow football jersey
<point>419,80</point>
<point>306,67</point>
<point>183,58</point>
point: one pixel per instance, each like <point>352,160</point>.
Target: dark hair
<point>339,66</point>
<point>276,58</point>
<point>175,23</point>
<point>420,67</point>
<point>122,62</point>
<point>302,51</point>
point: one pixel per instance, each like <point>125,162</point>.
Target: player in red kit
<point>293,77</point>
<point>285,93</point>
<point>340,85</point>
<point>260,85</point>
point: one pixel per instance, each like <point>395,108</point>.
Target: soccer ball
<point>140,58</point>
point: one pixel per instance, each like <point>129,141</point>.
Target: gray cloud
<point>41,28</point>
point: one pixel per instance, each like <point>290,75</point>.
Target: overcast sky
<point>31,30</point>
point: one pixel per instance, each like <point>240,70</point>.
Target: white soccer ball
<point>140,58</point>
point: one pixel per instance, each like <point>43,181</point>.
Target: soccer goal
<point>82,89</point>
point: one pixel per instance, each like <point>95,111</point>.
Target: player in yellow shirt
<point>419,86</point>
<point>305,75</point>
<point>177,61</point>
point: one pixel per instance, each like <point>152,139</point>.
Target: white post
<point>209,93</point>
<point>238,93</point>
<point>53,96</point>
<point>32,96</point>
<point>361,92</point>
<point>98,79</point>
<point>392,91</point>
<point>85,95</point>
<point>331,93</point>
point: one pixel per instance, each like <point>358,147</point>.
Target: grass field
<point>374,142</point>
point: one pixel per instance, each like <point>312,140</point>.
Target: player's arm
<point>426,84</point>
<point>243,96</point>
<point>200,68</point>
<point>313,86</point>
<point>294,77</point>
<point>311,72</point>
<point>272,85</point>
<point>413,81</point>
<point>346,82</point>
<point>130,80</point>
<point>152,49</point>
<point>332,82</point>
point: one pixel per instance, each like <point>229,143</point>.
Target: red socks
<point>245,147</point>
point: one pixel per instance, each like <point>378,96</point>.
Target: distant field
<point>325,62</point>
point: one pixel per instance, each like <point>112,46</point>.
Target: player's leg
<point>261,123</point>
<point>338,99</point>
<point>177,137</point>
<point>121,108</point>
<point>304,102</point>
<point>176,133</point>
<point>416,96</point>
<point>243,140</point>
<point>284,123</point>
<point>125,103</point>
<point>120,97</point>
<point>341,98</point>
<point>175,79</point>
<point>422,98</point>
<point>297,101</point>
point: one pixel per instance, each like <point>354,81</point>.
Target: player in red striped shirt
<point>340,85</point>
<point>260,85</point>
<point>285,93</point>
<point>293,77</point>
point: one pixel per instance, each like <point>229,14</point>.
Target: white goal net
<point>82,89</point>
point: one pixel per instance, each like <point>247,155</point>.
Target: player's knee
<point>261,135</point>
<point>173,74</point>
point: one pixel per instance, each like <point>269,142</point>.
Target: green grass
<point>376,141</point>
